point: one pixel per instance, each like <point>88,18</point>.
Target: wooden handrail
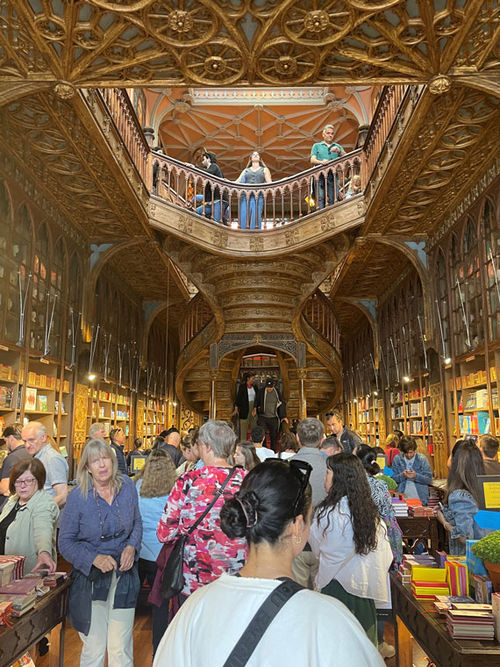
<point>265,206</point>
<point>383,119</point>
<point>126,122</point>
<point>198,315</point>
<point>318,311</point>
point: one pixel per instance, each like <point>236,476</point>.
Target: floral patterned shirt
<point>208,551</point>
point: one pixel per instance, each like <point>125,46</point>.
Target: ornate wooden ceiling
<point>148,42</point>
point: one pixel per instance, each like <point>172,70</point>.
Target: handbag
<point>252,635</point>
<point>172,581</point>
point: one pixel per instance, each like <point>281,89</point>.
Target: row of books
<point>473,379</point>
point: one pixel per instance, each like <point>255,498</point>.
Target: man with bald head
<point>172,446</point>
<point>37,444</point>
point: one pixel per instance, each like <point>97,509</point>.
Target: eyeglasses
<point>24,482</point>
<point>302,470</point>
<point>329,414</point>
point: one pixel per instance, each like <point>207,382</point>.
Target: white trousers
<point>111,628</point>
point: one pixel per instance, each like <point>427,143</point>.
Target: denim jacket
<point>460,511</point>
<point>422,479</point>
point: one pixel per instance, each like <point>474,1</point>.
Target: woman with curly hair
<point>351,542</point>
<point>245,455</point>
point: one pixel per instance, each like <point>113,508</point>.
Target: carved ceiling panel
<point>458,137</point>
<point>140,42</point>
<point>370,269</point>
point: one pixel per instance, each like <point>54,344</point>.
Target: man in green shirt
<point>321,154</point>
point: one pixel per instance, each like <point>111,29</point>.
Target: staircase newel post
<point>302,373</point>
<point>213,394</point>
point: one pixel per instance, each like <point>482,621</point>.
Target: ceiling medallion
<point>439,84</point>
<point>316,21</point>
<point>180,21</point>
<point>214,65</point>
<point>286,66</point>
<point>65,91</point>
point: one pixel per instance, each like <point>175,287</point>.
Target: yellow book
<point>422,573</point>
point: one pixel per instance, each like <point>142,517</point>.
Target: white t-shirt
<point>310,630</point>
<point>265,453</point>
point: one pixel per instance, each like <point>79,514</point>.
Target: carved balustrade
<point>382,122</point>
<point>125,119</point>
<point>263,206</point>
<point>197,316</point>
<point>319,313</point>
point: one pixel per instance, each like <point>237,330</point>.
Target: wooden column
<point>213,395</point>
<point>302,375</point>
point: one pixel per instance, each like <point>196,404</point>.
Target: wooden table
<point>417,618</point>
<point>423,530</point>
<point>49,612</point>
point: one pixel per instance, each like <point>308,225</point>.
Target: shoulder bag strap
<point>214,500</point>
<point>248,641</point>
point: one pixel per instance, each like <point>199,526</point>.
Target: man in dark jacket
<point>211,208</point>
<point>271,410</point>
<point>244,405</point>
<point>347,438</point>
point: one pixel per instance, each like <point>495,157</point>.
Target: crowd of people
<point>326,189</point>
<point>307,521</point>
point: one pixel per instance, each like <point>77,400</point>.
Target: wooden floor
<point>143,646</point>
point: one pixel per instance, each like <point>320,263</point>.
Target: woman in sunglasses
<point>350,540</point>
<point>272,511</point>
<point>100,536</point>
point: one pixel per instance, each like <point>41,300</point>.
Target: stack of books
<point>411,561</point>
<point>428,582</point>
<point>400,507</point>
<point>457,575</point>
<point>443,603</point>
<point>465,622</point>
<point>20,603</point>
<point>418,511</point>
<point>18,566</point>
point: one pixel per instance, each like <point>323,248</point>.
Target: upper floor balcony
<point>267,206</point>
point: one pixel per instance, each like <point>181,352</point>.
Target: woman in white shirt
<point>272,510</point>
<point>351,542</point>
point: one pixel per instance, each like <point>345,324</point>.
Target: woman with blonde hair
<point>154,486</point>
<point>100,536</point>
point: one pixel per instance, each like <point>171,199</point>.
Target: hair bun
<point>239,514</point>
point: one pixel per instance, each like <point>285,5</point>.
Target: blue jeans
<point>251,211</point>
<point>207,209</point>
<point>330,180</point>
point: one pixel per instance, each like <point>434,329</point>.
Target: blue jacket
<point>422,479</point>
<point>460,511</point>
<point>151,510</point>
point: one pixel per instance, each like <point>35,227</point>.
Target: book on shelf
<point>43,403</point>
<point>30,398</point>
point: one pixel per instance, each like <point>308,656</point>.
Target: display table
<point>418,618</point>
<point>48,612</point>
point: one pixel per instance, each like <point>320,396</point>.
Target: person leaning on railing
<point>211,199</point>
<point>321,154</point>
<point>255,173</point>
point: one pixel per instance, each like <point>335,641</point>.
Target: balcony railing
<point>319,313</point>
<point>382,122</point>
<point>264,206</point>
<point>124,117</point>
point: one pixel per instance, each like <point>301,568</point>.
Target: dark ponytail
<point>270,497</point>
<point>368,458</point>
